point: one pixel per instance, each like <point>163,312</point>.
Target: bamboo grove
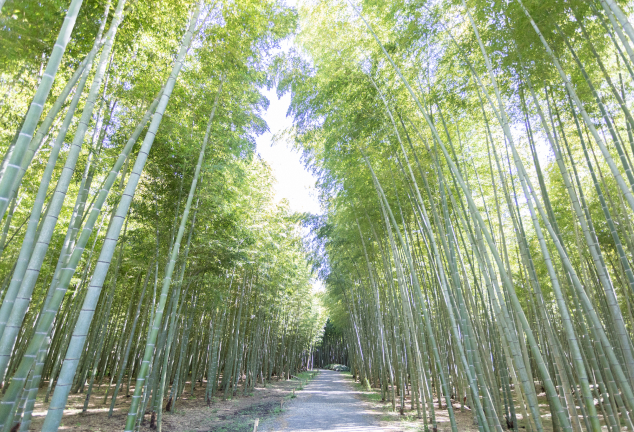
<point>475,160</point>
<point>142,247</point>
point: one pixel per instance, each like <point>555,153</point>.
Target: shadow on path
<point>328,403</point>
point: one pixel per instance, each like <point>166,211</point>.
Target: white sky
<point>294,183</point>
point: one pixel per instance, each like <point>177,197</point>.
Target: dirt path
<point>328,403</point>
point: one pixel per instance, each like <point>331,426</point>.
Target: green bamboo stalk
<point>126,354</point>
<point>620,16</point>
<point>36,259</point>
<point>58,403</point>
<point>34,218</point>
<point>37,104</point>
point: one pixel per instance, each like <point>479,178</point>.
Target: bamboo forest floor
<point>331,402</point>
<point>334,402</point>
<point>191,414</point>
<point>394,421</point>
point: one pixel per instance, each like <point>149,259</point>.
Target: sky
<point>293,182</point>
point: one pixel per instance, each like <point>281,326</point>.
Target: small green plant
<point>374,397</point>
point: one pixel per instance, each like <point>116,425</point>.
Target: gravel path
<point>327,403</point>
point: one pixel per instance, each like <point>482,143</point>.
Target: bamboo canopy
<point>474,161</point>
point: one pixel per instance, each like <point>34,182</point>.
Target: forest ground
<point>239,413</point>
<point>329,403</point>
<point>393,420</point>
<point>335,402</point>
<point>191,414</point>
